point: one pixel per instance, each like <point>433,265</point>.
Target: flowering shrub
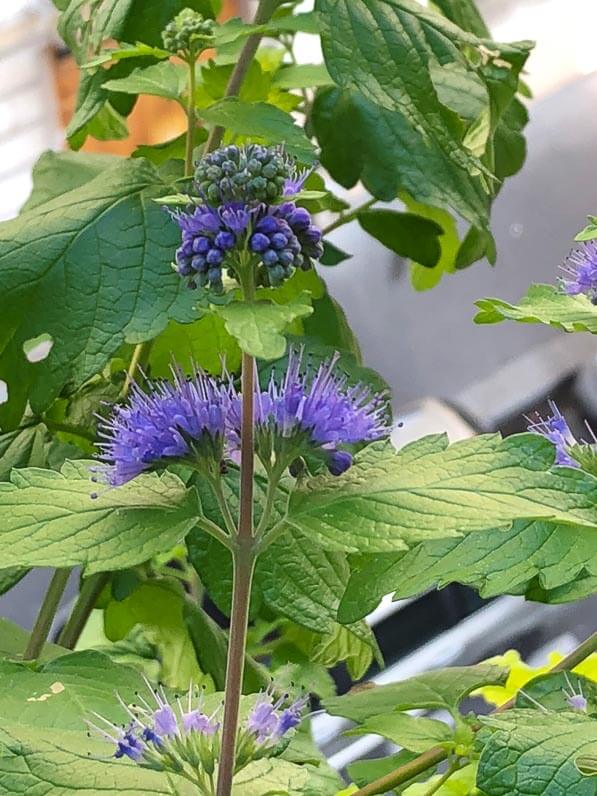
<point>202,432</point>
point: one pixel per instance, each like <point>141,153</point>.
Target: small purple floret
<point>555,428</point>
<point>580,271</point>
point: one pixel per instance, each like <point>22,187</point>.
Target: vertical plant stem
<point>46,614</point>
<point>190,142</point>
<point>91,590</point>
<point>243,567</point>
<point>138,359</point>
<point>264,12</point>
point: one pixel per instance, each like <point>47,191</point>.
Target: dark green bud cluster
<point>253,173</point>
<point>188,32</point>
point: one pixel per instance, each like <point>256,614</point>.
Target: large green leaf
<point>465,14</point>
<point>406,234</point>
<point>91,268</point>
<point>543,304</point>
<point>402,69</point>
<point>494,562</point>
<point>57,173</point>
<point>442,689</point>
<point>50,519</point>
<point>553,689</point>
<point>258,326</point>
<point>430,490</point>
<point>262,122</point>
<point>414,733</point>
<point>14,640</point>
<point>44,745</point>
<point>531,753</point>
<point>202,343</point>
<point>158,607</point>
<point>294,578</point>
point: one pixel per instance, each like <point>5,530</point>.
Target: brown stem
<point>263,14</point>
<point>436,755</point>
<point>244,564</point>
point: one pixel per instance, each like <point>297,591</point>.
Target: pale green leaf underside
<point>543,304</point>
<point>389,501</point>
<point>417,734</point>
<point>439,689</point>
<point>493,561</point>
<point>528,754</point>
<point>49,519</point>
<point>258,326</point>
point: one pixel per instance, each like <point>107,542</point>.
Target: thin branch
<point>46,615</point>
<point>433,757</point>
<point>346,218</point>
<point>263,14</point>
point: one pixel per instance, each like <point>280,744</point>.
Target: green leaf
<point>97,274</point>
<point>364,772</point>
<point>465,14</point>
<point>262,122</point>
<point>202,343</point>
<point>405,234</point>
<point>158,606</point>
<point>56,173</point>
<point>139,50</point>
<point>13,641</point>
<point>431,491</point>
<point>294,578</point>
<point>277,777</point>
<point>165,79</point>
<point>49,519</point>
<point>523,753</point>
<point>425,278</point>
<point>85,29</point>
<point>302,76</point>
<point>258,327</point>
<point>414,733</point>
<point>174,149</point>
<point>43,742</point>
<point>332,255</point>
<point>543,304</point>
<point>360,140</point>
<point>461,90</point>
<point>10,577</point>
<point>441,689</point>
<point>23,447</point>
<point>493,562</point>
<point>552,690</point>
<point>460,783</point>
<point>210,644</point>
<point>589,232</point>
<point>307,22</point>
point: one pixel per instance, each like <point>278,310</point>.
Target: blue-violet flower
<point>185,419</point>
<point>556,429</point>
<point>580,271</point>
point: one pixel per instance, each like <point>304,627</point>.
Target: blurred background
<point>445,373</point>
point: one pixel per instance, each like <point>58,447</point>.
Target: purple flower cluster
<point>316,411</point>
<point>185,419</point>
<point>581,271</point>
<point>170,736</point>
<point>240,187</point>
<point>556,429</point>
<point>304,412</point>
<point>208,235</point>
